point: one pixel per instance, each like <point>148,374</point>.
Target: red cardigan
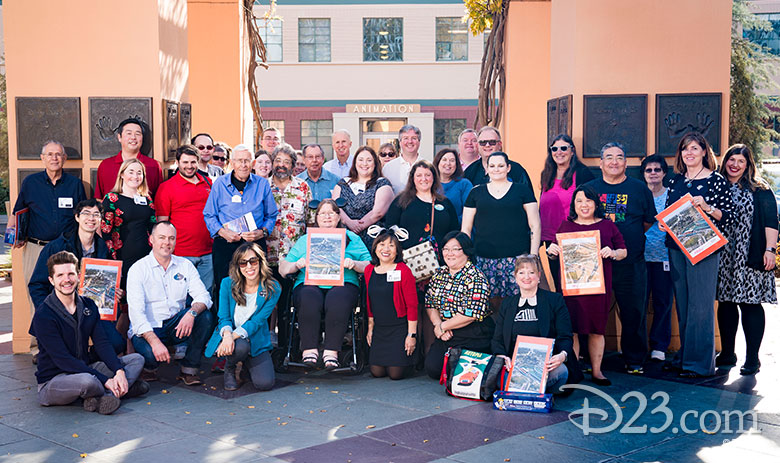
<point>404,292</point>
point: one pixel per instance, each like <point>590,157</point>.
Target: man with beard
<point>181,200</point>
<point>205,145</point>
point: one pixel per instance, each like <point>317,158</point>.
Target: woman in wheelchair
<point>391,302</point>
<point>246,299</point>
<point>337,302</point>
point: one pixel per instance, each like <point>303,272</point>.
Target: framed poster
<point>325,259</point>
<point>679,113</point>
<point>691,229</point>
<point>99,282</point>
<point>614,118</point>
<point>582,271</point>
<point>529,372</point>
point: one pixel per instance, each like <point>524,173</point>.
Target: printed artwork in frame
<point>582,271</point>
<point>691,229</point>
<point>171,128</point>
<point>529,372</point>
<point>99,282</point>
<point>324,261</point>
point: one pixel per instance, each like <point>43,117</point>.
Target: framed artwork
<point>528,372</point>
<point>615,118</point>
<point>691,229</point>
<point>325,257</point>
<point>185,122</point>
<point>99,282</point>
<point>171,128</point>
<point>679,113</point>
<point>49,118</point>
<point>105,114</point>
<point>582,271</point>
<point>559,117</point>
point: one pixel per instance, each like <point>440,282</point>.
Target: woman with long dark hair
<point>247,298</point>
<point>456,187</point>
<point>562,173</point>
<point>745,277</point>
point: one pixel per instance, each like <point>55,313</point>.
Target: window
<point>271,33</point>
<point>445,133</point>
<point>313,40</point>
<point>383,39</point>
<point>451,40</point>
<point>770,38</point>
<point>318,131</point>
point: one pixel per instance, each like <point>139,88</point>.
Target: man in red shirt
<point>181,200</point>
<point>131,134</point>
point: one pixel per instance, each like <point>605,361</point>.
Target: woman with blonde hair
<point>246,299</point>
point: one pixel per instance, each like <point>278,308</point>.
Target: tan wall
<point>52,48</point>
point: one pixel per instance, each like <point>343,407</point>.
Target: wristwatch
<point>194,313</point>
<point>412,335</point>
<point>771,249</point>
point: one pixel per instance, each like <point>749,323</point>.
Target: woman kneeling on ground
<point>246,299</point>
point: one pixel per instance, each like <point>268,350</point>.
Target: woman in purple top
<point>589,313</point>
<point>562,173</point>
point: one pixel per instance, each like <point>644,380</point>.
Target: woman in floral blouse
<point>457,303</point>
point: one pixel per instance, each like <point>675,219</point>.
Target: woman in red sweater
<point>391,302</point>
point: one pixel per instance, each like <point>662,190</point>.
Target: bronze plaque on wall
<point>615,118</point>
<point>42,119</point>
<point>680,113</point>
<point>185,123</point>
<point>24,173</point>
<point>558,117</point>
<point>552,119</point>
<point>105,114</point>
<point>171,128</point>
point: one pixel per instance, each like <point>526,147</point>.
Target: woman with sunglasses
<point>337,302</point>
<point>695,285</point>
<point>745,277</point>
<point>659,278</point>
<point>366,194</point>
<point>247,298</point>
<point>387,153</point>
<point>562,174</point>
<point>456,187</point>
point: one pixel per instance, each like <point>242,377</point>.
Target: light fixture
<point>383,46</point>
<point>384,57</point>
<point>383,32</point>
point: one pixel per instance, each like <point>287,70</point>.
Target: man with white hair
<point>342,159</point>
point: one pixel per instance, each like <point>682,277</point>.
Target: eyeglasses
<point>251,261</point>
<point>450,250</point>
<point>388,154</point>
<point>94,215</point>
<point>488,142</point>
<point>242,161</point>
<point>563,148</point>
<point>653,169</point>
<point>326,213</point>
<point>205,148</point>
<point>219,158</point>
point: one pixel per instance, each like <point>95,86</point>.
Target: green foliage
<point>479,14</point>
<point>752,69</point>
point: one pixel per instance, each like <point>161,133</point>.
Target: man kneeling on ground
<point>63,325</point>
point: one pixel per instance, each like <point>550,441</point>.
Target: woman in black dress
<point>391,302</point>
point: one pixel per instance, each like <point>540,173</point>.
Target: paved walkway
<point>322,417</point>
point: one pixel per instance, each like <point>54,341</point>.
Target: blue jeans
<point>556,379</point>
<point>205,268</point>
<point>196,341</point>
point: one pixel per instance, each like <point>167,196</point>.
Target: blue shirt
<point>322,188</point>
<point>355,250</point>
<point>226,203</point>
<point>457,191</point>
<point>51,206</point>
<point>655,244</point>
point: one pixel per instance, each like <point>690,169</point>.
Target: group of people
<point>213,254</point>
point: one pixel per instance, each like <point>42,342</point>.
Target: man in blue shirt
<point>51,197</point>
<point>232,196</point>
<point>320,180</point>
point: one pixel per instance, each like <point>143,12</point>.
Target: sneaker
<point>181,352</point>
<point>189,380</point>
<point>139,387</point>
<point>658,356</point>
<point>634,369</point>
<point>105,405</point>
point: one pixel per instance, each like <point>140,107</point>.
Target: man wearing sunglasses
<point>205,145</point>
<point>220,156</point>
<point>489,141</point>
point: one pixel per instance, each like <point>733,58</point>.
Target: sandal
<point>310,360</point>
<point>331,362</point>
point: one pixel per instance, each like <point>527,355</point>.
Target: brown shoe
<point>105,404</point>
<point>189,380</point>
<point>148,376</point>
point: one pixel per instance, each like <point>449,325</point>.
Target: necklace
<point>689,180</point>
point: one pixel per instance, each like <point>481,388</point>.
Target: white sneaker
<point>181,351</point>
<point>658,355</point>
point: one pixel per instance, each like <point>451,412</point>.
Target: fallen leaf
<point>541,437</point>
<point>425,441</point>
<point>250,406</point>
<point>186,413</point>
<point>148,403</point>
<point>208,422</point>
<point>164,391</point>
<point>284,423</point>
<point>311,411</point>
<point>370,426</point>
<point>486,439</point>
<point>75,435</point>
<point>317,388</point>
<point>507,459</point>
<point>213,388</point>
<point>268,401</point>
<point>83,455</point>
<point>309,393</point>
<point>284,405</point>
<point>334,392</point>
<point>231,413</point>
<point>323,411</point>
<point>341,425</point>
<point>392,445</point>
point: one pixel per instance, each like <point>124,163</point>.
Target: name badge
<point>438,207</point>
<point>236,199</point>
<point>296,207</point>
<point>65,203</point>
<point>394,275</point>
<point>140,200</point>
<point>666,266</point>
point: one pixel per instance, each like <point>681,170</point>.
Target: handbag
<point>421,258</point>
<point>470,375</point>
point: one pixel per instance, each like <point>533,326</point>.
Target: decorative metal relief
<point>680,113</point>
<point>559,117</point>
<point>185,123</point>
<point>105,114</point>
<point>171,128</point>
<point>615,118</point>
<point>24,173</point>
<point>42,119</point>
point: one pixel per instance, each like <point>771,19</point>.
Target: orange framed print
<point>691,229</point>
<point>325,256</point>
<point>99,282</point>
<point>528,372</point>
<point>582,270</point>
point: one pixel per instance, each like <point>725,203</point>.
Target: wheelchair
<point>353,356</point>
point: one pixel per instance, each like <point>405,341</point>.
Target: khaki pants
<point>30,254</point>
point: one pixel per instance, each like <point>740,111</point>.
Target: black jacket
<point>764,216</point>
<point>63,340</point>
